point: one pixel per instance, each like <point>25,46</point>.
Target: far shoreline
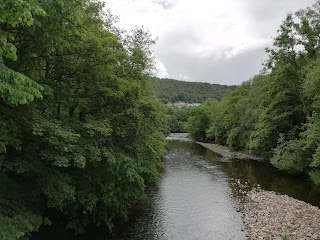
<point>224,151</point>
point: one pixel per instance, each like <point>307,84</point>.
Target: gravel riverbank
<point>271,216</point>
<point>226,152</point>
<point>268,215</point>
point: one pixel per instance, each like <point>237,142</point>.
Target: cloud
<point>207,40</point>
<point>161,69</point>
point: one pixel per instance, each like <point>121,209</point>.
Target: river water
<point>192,200</point>
<point>197,197</point>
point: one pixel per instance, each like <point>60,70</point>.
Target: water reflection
<point>253,173</point>
<point>192,201</point>
<point>195,198</point>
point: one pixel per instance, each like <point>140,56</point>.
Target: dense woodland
<point>169,90</point>
<point>80,129</point>
<point>275,114</point>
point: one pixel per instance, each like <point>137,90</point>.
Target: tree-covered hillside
<point>169,90</point>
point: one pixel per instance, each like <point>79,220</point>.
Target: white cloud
<point>161,69</point>
<point>207,32</point>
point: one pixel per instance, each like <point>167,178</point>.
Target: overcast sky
<point>215,41</point>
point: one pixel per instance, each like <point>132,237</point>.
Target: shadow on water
<point>195,197</point>
<point>252,173</point>
<point>192,200</point>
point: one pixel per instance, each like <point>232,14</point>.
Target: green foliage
<point>275,115</point>
<point>290,156</point>
<point>15,13</point>
<point>301,154</point>
<point>177,119</point>
<point>86,149</point>
<point>241,113</point>
<point>232,120</point>
<point>281,110</point>
<point>17,215</point>
<point>215,131</point>
<point>311,85</point>
<point>169,90</point>
<point>315,176</point>
<point>16,88</point>
<point>199,120</point>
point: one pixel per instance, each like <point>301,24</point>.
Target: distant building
<point>182,104</point>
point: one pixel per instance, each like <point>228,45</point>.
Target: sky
<point>215,41</point>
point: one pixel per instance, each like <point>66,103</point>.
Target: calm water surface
<point>197,198</point>
<point>192,200</point>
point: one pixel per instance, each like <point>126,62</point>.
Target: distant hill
<point>169,90</point>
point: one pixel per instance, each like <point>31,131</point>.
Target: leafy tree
<point>276,114</point>
<point>281,111</point>
<point>85,151</point>
<point>177,119</point>
<point>301,154</point>
<point>16,88</point>
<point>241,113</point>
<point>216,130</point>
<point>199,120</point>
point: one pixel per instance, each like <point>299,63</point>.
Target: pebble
<point>268,215</point>
<point>227,153</point>
<point>271,216</point>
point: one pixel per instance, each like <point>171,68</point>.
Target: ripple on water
<point>193,200</point>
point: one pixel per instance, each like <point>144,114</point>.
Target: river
<point>192,200</point>
<point>197,196</point>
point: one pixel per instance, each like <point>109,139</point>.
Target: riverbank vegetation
<point>80,129</point>
<point>178,118</point>
<point>275,114</point>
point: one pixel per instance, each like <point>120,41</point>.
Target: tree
<point>177,119</point>
<point>16,88</point>
<point>281,111</point>
<point>276,114</point>
<point>199,120</point>
<point>301,154</point>
<point>241,113</point>
<point>85,151</point>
